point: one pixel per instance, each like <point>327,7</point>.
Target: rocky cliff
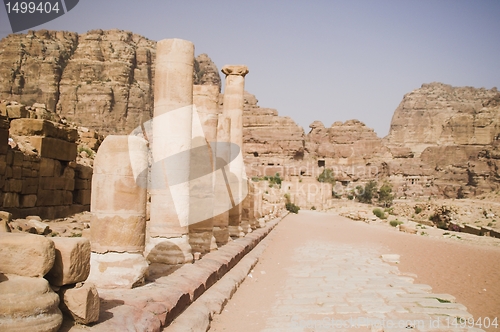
<point>443,140</point>
<point>101,79</point>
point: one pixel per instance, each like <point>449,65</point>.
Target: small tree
<point>385,195</point>
<point>365,195</point>
<point>327,176</point>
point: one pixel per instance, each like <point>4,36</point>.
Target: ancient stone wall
<point>38,170</point>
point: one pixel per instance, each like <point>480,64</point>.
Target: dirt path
<point>468,272</point>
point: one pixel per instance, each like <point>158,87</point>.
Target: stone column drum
<point>167,240</point>
<point>205,118</point>
<point>118,207</point>
<point>222,193</point>
<point>233,109</point>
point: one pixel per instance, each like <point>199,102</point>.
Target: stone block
<point>84,172</point>
<point>54,148</point>
<point>4,226</point>
<point>4,141</point>
<point>72,261</point>
<point>117,270</point>
<point>18,158</point>
<point>28,201</point>
<point>81,303</point>
<point>471,229</point>
<point>81,184</point>
<point>36,127</point>
<point>47,167</point>
<point>54,197</point>
<point>83,197</point>
<point>10,200</point>
<point>16,111</point>
<point>37,227</point>
<point>28,304</point>
<point>6,215</point>
<point>26,254</point>
<point>3,167</point>
<point>29,186</point>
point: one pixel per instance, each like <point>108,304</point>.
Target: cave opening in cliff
<point>321,163</point>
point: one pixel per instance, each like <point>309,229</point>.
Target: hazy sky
<point>319,60</point>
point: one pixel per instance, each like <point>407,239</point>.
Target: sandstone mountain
<point>101,79</point>
<point>443,140</point>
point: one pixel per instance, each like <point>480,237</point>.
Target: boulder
<point>81,303</point>
<point>26,254</point>
<point>72,261</point>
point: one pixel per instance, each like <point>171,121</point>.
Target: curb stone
<point>197,317</point>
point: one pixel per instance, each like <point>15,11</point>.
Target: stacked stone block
<point>28,300</point>
<point>40,179</point>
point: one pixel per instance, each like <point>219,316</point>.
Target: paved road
<point>325,273</point>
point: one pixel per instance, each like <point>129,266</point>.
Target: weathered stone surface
<point>35,127</point>
<point>28,304</point>
<point>119,195</point>
<point>81,303</point>
<point>117,270</point>
<point>72,261</point>
<point>26,254</point>
<point>54,148</point>
<point>100,79</point>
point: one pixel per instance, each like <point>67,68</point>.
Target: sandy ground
<point>470,272</point>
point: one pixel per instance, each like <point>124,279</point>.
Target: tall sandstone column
<point>233,109</point>
<point>167,241</point>
<point>222,188</point>
<point>205,119</point>
<point>118,207</point>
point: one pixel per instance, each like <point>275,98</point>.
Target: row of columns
<point>196,177</point>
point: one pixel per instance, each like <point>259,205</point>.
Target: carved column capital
<point>239,70</point>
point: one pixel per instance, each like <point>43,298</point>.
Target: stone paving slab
<point>340,287</point>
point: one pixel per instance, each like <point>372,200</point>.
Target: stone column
<point>167,241</point>
<point>223,201</point>
<point>205,119</point>
<point>118,207</point>
<point>233,109</point>
<point>248,211</point>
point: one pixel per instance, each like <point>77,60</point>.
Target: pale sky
<point>319,60</point>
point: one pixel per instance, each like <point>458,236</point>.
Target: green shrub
<point>394,223</point>
<point>292,207</point>
<point>418,209</point>
<point>313,208</point>
<point>326,176</point>
<point>385,195</point>
<point>379,213</point>
<point>365,195</point>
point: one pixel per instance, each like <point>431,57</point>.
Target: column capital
<point>240,70</point>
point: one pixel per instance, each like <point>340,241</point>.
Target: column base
<point>221,235</point>
<point>236,231</point>
<point>169,251</point>
<point>201,242</point>
<point>117,270</point>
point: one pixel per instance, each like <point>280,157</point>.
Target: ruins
<point>182,181</point>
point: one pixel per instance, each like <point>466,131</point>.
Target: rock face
<point>269,139</point>
<point>101,79</point>
<point>453,134</point>
<point>439,114</point>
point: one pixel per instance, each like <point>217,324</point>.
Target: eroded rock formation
<point>100,79</point>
